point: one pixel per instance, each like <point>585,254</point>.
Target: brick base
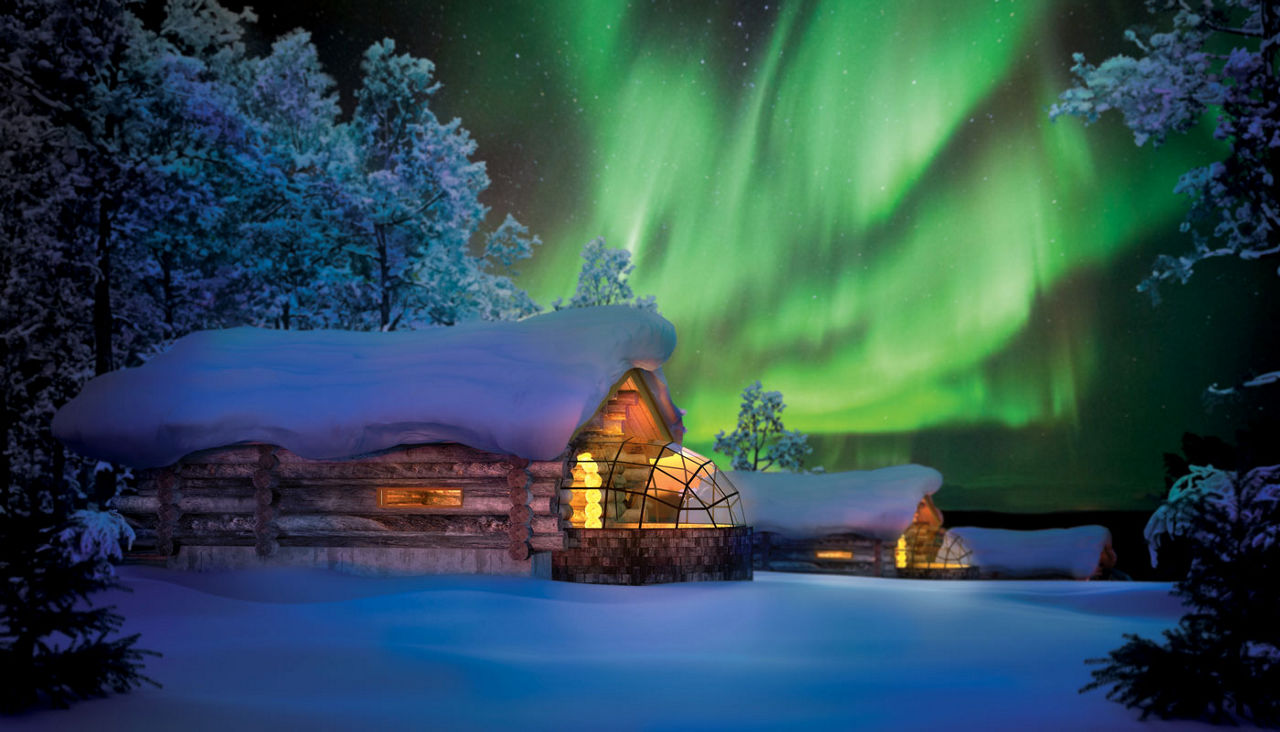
<point>654,556</point>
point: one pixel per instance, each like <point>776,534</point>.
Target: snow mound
<point>519,388</point>
<point>876,503</point>
<point>1008,553</point>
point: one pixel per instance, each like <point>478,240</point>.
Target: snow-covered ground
<point>314,650</point>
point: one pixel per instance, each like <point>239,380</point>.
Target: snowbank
<point>876,503</point>
<point>512,387</point>
<point>1047,552</point>
<point>316,650</point>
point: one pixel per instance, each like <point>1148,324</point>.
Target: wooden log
<point>168,493</point>
<point>626,398</point>
<point>548,542</point>
<point>215,504</point>
<point>407,540</point>
<point>552,470</point>
<point>520,514</point>
<point>426,453</point>
<point>218,487</point>
<point>542,524</point>
<point>334,499</point>
<point>319,524</point>
<point>360,470</point>
<point>137,504</point>
<point>519,529</point>
<point>266,499</point>
<point>217,471</point>
<point>215,524</point>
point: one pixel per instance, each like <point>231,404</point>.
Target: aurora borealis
<point>864,206</point>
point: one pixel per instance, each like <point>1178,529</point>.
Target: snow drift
<point>875,503</point>
<point>1008,553</point>
<point>317,650</point>
<point>520,387</point>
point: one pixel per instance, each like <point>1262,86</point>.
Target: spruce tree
<point>56,646</point>
<point>1222,661</point>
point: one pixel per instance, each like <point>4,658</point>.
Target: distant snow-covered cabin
<point>546,447</point>
<point>869,522</point>
<point>1078,552</point>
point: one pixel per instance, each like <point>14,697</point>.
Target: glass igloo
<point>634,484</point>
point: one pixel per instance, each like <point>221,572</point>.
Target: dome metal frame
<point>680,488</point>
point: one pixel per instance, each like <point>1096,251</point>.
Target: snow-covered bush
<point>1221,662</point>
<point>760,442</point>
<point>56,644</point>
<point>96,536</point>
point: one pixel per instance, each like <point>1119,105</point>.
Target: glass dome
<point>924,548</point>
<point>634,484</point>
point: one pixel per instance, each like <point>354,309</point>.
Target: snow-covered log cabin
<point>1079,552</point>
<point>544,447</point>
<point>881,523</point>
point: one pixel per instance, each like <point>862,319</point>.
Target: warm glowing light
<point>419,497</point>
<point>587,511</point>
<point>900,553</point>
<point>834,555</point>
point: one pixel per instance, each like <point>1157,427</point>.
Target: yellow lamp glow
<point>834,555</point>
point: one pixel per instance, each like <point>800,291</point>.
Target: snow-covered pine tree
<point>760,442</point>
<point>290,270</point>
<point>414,194</point>
<point>1222,661</point>
<point>90,167</point>
<point>1221,58</point>
<point>603,280</point>
<point>55,645</point>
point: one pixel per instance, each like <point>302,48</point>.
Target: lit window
<point>419,497</point>
<point>834,555</point>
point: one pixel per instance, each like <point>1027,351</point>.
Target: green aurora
<point>864,206</point>
<point>851,225</point>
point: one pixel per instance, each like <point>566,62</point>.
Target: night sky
<point>863,205</point>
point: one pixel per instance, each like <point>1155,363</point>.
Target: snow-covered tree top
<point>518,388</point>
<point>877,503</point>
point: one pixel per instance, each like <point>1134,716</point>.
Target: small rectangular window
<point>834,555</point>
<point>419,497</point>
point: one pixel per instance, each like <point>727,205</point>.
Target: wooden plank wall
<point>267,497</point>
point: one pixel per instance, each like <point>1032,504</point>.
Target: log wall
<point>867,556</point>
<point>653,556</point>
<point>288,509</point>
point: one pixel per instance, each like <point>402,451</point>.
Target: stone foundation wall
<point>654,556</point>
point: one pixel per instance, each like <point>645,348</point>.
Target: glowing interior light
<point>834,555</point>
<point>900,553</point>
<point>588,474</point>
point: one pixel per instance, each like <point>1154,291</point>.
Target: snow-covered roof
<point>519,388</point>
<point>877,503</point>
<point>1009,553</point>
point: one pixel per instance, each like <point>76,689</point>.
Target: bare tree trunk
<point>102,356</point>
<point>384,278</point>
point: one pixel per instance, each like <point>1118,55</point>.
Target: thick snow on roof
<point>877,503</point>
<point>519,388</point>
<point>1010,553</point>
